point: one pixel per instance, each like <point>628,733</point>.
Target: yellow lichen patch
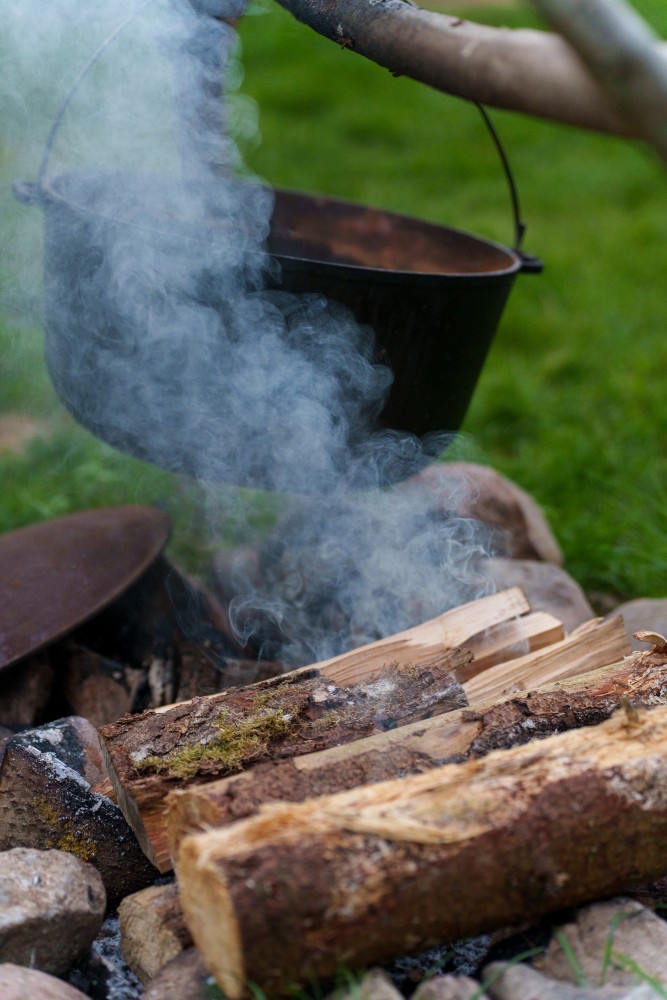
<point>64,835</point>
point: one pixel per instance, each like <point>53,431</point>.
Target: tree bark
<point>534,72</point>
<point>584,700</point>
<point>356,878</point>
<point>623,54</point>
<point>207,738</point>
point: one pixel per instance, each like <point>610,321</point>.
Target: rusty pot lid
<point>56,575</point>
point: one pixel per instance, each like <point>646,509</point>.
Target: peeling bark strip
<point>356,878</point>
<point>222,734</point>
<point>585,700</point>
<point>534,72</point>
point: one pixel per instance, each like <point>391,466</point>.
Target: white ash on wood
<point>361,876</point>
<point>222,734</point>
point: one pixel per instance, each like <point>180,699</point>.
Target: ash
<point>462,958</point>
<point>102,974</point>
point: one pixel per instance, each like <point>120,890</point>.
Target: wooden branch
<point>222,734</point>
<point>534,72</point>
<point>622,53</point>
<point>356,878</point>
<point>583,700</point>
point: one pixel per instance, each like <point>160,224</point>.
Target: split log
<point>584,700</point>
<point>152,929</point>
<point>223,734</point>
<point>356,878</point>
<point>46,801</point>
<point>492,627</point>
<point>595,643</point>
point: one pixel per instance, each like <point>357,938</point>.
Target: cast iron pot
<point>433,295</point>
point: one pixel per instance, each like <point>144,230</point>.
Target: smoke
<point>167,332</point>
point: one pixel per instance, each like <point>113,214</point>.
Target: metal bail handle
<point>530,264</point>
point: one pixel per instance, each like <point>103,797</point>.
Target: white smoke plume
<point>167,332</point>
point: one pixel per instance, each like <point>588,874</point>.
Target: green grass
<point>570,404</point>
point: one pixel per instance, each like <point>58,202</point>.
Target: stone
<point>46,801</point>
<point>631,930</point>
<point>548,588</point>
<point>522,982</point>
<point>51,907</point>
<point>643,613</point>
<point>478,491</point>
<point>152,929</point>
<point>184,977</point>
<point>449,988</point>
<point>375,985</point>
<point>19,983</point>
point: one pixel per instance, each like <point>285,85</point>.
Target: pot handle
<point>530,264</point>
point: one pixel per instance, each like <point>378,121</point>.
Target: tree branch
<point>623,54</point>
<point>534,72</point>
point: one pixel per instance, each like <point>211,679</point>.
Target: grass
<point>570,404</point>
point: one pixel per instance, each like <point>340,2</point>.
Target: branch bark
<point>582,700</point>
<point>534,72</point>
<point>356,878</point>
<point>622,53</point>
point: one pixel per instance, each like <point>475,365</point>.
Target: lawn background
<point>570,404</point>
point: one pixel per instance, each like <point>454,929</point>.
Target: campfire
<point>410,792</point>
<point>357,737</point>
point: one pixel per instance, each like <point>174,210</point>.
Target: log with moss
<point>584,700</point>
<point>356,878</point>
<point>206,738</point>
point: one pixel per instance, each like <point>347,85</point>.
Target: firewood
<point>591,645</point>
<point>95,687</point>
<point>152,929</point>
<point>25,690</point>
<point>355,878</point>
<point>222,734</point>
<point>46,801</point>
<point>583,700</point>
<point>473,625</point>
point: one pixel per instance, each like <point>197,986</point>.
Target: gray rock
<point>631,930</point>
<point>184,977</point>
<point>51,907</point>
<point>522,982</point>
<point>644,612</point>
<point>480,492</point>
<point>376,985</point>
<point>449,988</point>
<point>19,983</point>
<point>547,587</point>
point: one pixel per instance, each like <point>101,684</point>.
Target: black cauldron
<point>433,295</point>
